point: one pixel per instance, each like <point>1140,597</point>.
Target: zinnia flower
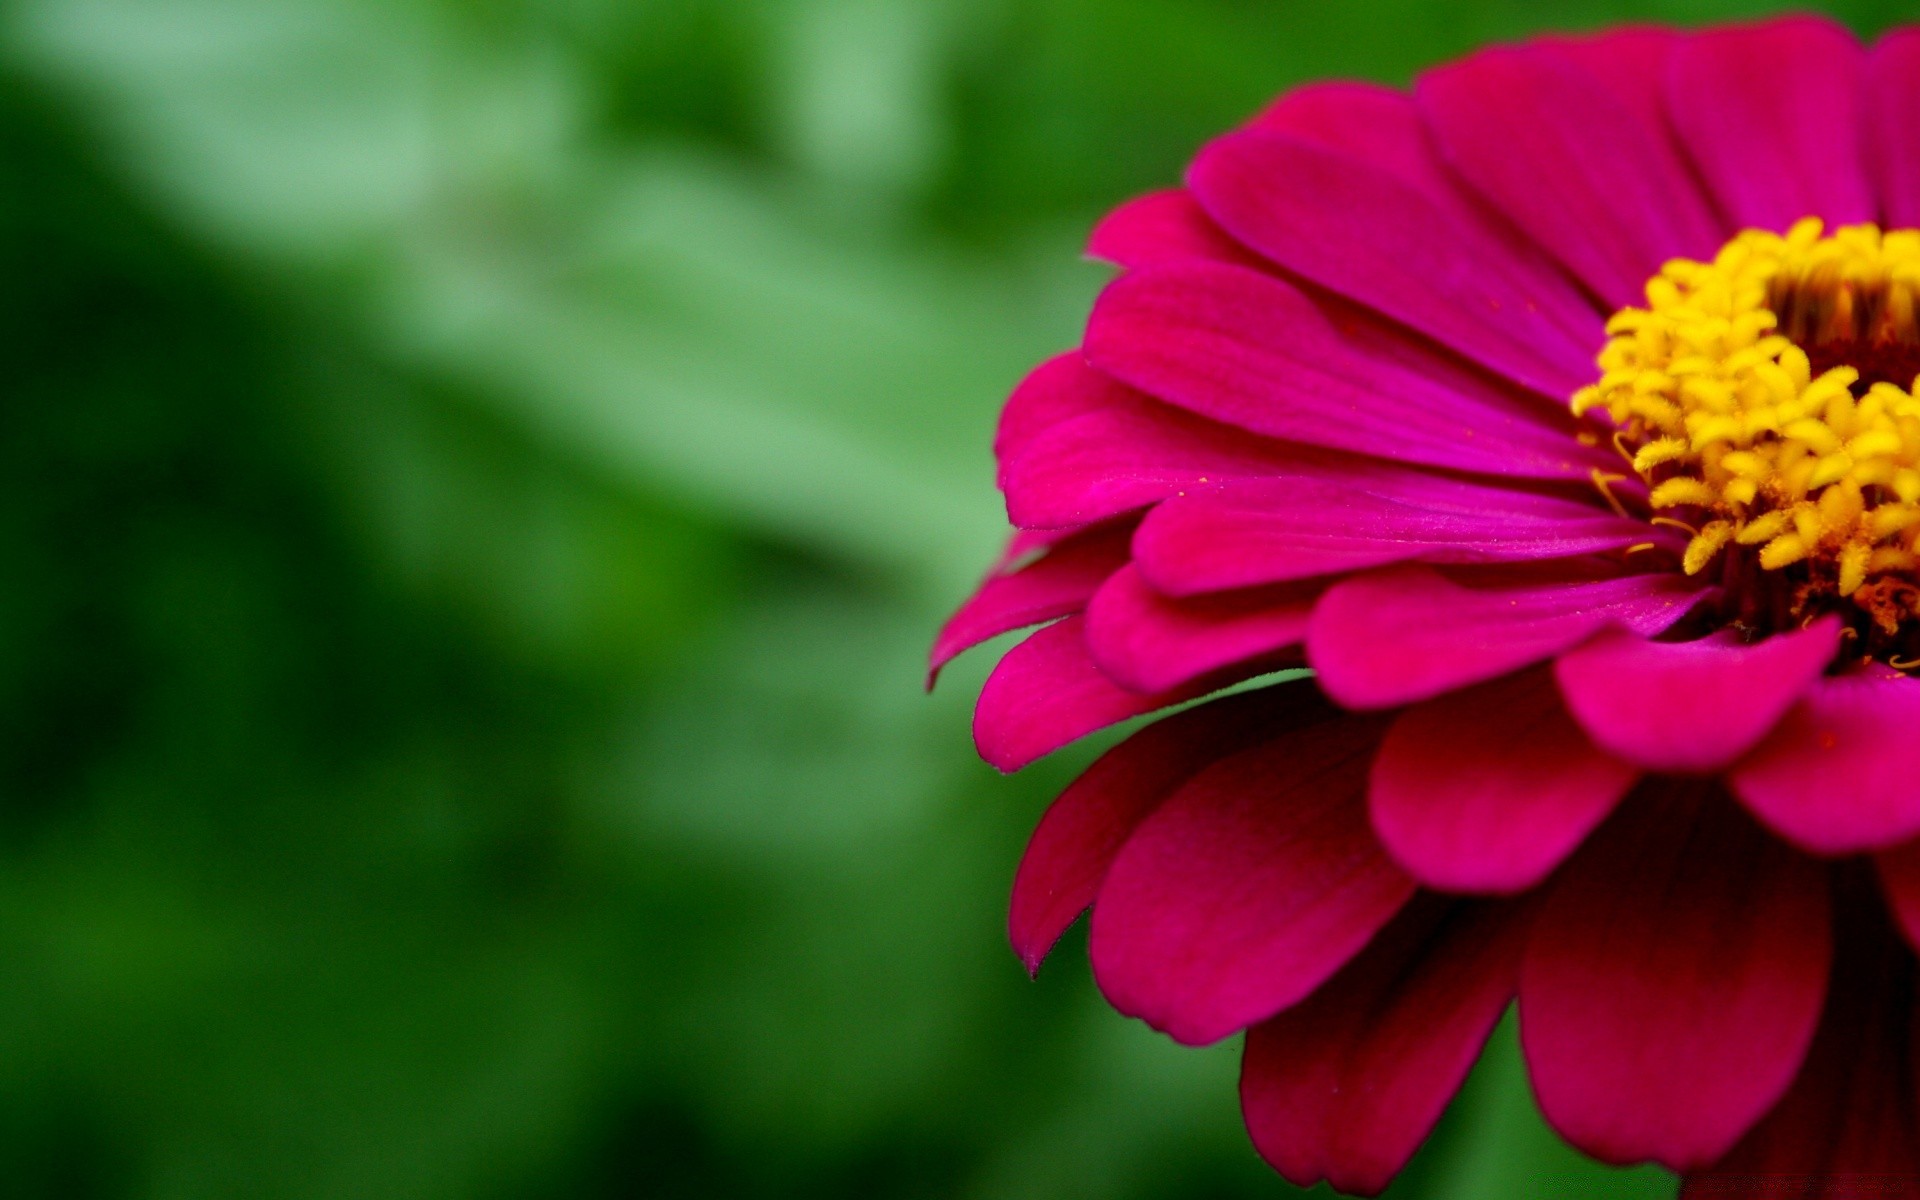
<point>1561,417</point>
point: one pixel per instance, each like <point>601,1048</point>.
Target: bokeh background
<point>477,481</point>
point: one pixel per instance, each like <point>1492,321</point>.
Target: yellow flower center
<point>1767,399</point>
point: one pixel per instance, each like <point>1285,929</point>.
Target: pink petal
<point>1324,522</point>
<point>1247,349</point>
<point>1773,115</point>
<point>1690,707</point>
<point>1631,61</point>
<point>1567,161</point>
<point>1046,692</point>
<point>1837,776</point>
<point>1129,454</point>
<point>1056,585</point>
<point>1377,125</point>
<point>1154,643</point>
<point>1673,981</point>
<point>1163,227</point>
<point>1845,1130</point>
<point>1893,124</point>
<point>1248,888</point>
<point>1077,840</point>
<point>1346,1085</point>
<point>1397,637</point>
<point>1055,392</point>
<point>1363,233</point>
<point>1490,789</point>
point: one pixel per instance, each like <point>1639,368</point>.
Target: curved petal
<point>1490,789</point>
<point>1673,980</point>
<point>1893,125</point>
<point>1046,692</point>
<point>1249,350</point>
<point>1248,888</point>
<point>1364,233</point>
<point>1573,166</point>
<point>1631,62</point>
<point>1837,776</point>
<point>1056,391</point>
<point>1690,707</point>
<point>1773,115</point>
<point>1845,1130</point>
<point>1396,637</point>
<point>1154,643</point>
<point>1163,227</point>
<point>1312,523</point>
<point>1131,453</point>
<point>1375,124</point>
<point>1346,1085</point>
<point>1057,584</point>
<point>1085,827</point>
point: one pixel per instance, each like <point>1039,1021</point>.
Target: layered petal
<point>1308,523</point>
<point>1690,707</point>
<point>1893,124</point>
<point>1570,163</point>
<point>1163,227</point>
<point>1397,637</point>
<point>1249,887</point>
<point>1249,350</point>
<point>1129,454</point>
<point>1085,827</point>
<point>1772,115</point>
<point>1056,391</point>
<point>1489,789</point>
<point>1346,1085</point>
<point>1837,776</point>
<point>1845,1130</point>
<point>1369,235</point>
<point>1150,642</point>
<point>1673,980</point>
<point>1046,692</point>
<point>1057,584</point>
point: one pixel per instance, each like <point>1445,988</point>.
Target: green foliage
<point>479,479</point>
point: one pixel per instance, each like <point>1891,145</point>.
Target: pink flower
<point>1560,417</point>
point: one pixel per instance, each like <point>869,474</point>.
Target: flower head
<point>1561,416</point>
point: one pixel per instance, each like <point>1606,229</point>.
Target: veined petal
<point>1400,636</point>
<point>1248,888</point>
<point>1773,115</point>
<point>1489,789</point>
<point>1673,980</point>
<point>1057,584</point>
<point>1164,227</point>
<point>1151,642</point>
<point>1893,124</point>
<point>1344,1086</point>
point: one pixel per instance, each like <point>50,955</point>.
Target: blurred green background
<point>479,479</point>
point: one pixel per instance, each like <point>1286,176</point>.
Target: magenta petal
<point>1673,980</point>
<point>1631,61</point>
<point>1155,643</point>
<point>1893,123</point>
<point>1690,707</point>
<point>1056,585</point>
<point>1490,789</point>
<point>1247,349</point>
<point>1045,693</point>
<point>1571,164</point>
<point>1309,523</point>
<point>1076,841</point>
<point>1363,233</point>
<point>1899,870</point>
<point>1773,117</point>
<point>1837,776</point>
<point>1058,390</point>
<point>1378,125</point>
<point>1131,453</point>
<point>1845,1129</point>
<point>1248,888</point>
<point>1397,637</point>
<point>1346,1085</point>
<point>1163,227</point>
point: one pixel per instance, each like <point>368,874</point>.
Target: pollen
<point>1767,400</point>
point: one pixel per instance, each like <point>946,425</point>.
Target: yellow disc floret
<point>1767,399</point>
